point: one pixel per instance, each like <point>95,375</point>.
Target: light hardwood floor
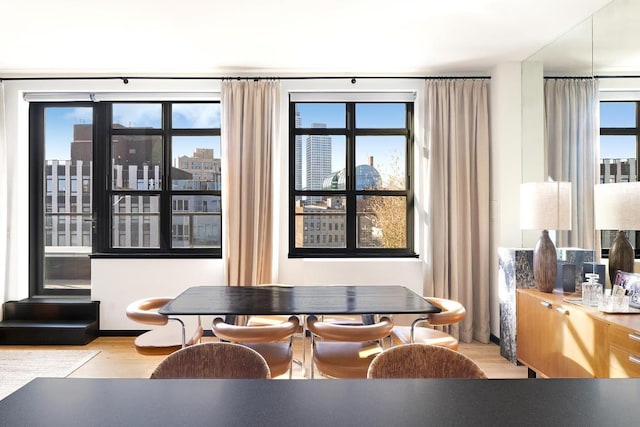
<point>119,359</point>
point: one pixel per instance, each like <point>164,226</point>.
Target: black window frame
<point>102,191</point>
<point>623,131</point>
<point>350,132</point>
<point>105,132</point>
<point>37,194</point>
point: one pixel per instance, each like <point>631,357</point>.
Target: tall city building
<point>298,152</point>
<point>203,169</point>
<point>318,158</point>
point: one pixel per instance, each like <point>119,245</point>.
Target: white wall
<point>517,151</point>
<point>117,282</point>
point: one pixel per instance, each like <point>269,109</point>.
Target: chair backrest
<point>423,361</point>
<point>452,312</point>
<point>146,311</point>
<point>344,332</point>
<point>213,360</point>
<point>255,334</point>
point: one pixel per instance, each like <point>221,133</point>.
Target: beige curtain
<point>457,134</point>
<point>249,124</point>
<point>571,133</point>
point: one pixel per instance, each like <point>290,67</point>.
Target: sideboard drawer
<point>622,363</point>
<point>625,338</point>
<point>624,352</point>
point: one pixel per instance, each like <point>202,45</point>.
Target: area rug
<point>18,367</point>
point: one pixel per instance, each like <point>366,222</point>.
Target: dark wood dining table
<point>77,402</point>
<point>297,300</point>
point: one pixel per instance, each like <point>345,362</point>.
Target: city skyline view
<point>387,152</point>
<point>59,123</point>
<point>59,127</point>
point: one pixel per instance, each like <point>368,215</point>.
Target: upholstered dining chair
<point>274,342</point>
<point>451,312</point>
<point>166,339</point>
<point>213,360</point>
<point>423,361</point>
<point>342,350</point>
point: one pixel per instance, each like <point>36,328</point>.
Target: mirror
<point>603,47</point>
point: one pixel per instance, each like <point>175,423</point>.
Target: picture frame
<point>630,282</point>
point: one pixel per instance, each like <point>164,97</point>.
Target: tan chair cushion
<point>166,339</point>
<point>277,355</point>
<point>263,339</point>
<point>146,311</point>
<point>342,359</point>
<point>266,333</point>
<point>270,320</point>
<point>402,335</point>
<point>452,312</point>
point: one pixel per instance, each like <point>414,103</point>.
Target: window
<point>155,201</point>
<point>619,147</point>
<point>350,167</point>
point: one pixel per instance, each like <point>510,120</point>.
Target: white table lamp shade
<point>545,206</point>
<point>617,206</point>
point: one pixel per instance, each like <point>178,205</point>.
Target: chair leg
<point>304,346</point>
<point>413,327</point>
<point>312,351</point>
<point>184,338</point>
<point>291,362</point>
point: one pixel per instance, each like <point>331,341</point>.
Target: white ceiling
<point>283,37</point>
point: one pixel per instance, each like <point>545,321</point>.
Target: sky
<point>617,114</point>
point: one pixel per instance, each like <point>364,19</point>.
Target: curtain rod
<point>591,77</point>
<point>126,79</point>
<point>617,77</point>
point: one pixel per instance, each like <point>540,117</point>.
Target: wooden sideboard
<point>559,339</point>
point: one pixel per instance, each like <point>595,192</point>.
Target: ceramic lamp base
<point>621,256</point>
<point>545,263</point>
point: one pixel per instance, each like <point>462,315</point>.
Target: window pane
<point>380,163</point>
<point>325,115</point>
<point>319,162</point>
<point>68,137</point>
<point>381,116</point>
<point>320,222</point>
<point>617,114</point>
<point>132,116</point>
<point>196,163</point>
<point>196,222</point>
<point>617,147</point>
<point>382,222</point>
<point>195,116</point>
<point>136,162</point>
<point>617,158</point>
<point>135,221</point>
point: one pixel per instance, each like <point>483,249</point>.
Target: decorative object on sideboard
<point>545,206</point>
<point>566,277</point>
<point>592,290</point>
<point>592,267</point>
<point>616,207</point>
<point>630,282</point>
